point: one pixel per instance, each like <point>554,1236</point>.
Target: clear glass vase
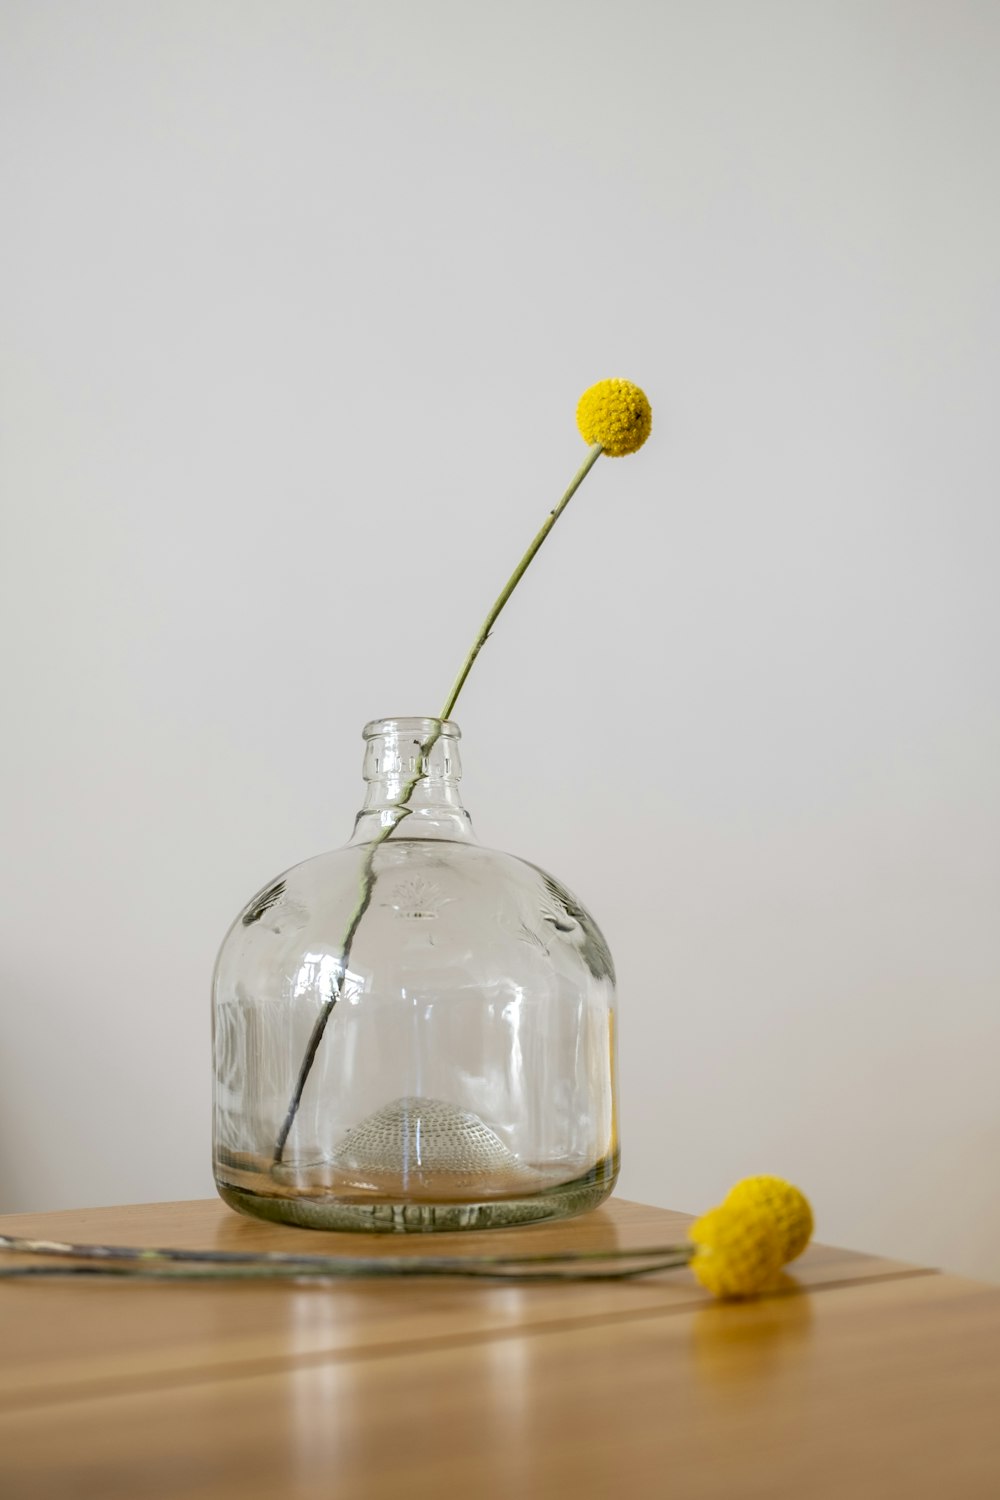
<point>457,1071</point>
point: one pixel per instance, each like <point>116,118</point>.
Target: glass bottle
<point>458,1071</point>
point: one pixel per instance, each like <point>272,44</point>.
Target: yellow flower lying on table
<point>735,1250</point>
<point>741,1246</point>
<point>781,1203</point>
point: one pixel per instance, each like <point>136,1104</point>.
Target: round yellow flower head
<point>738,1250</point>
<point>787,1208</point>
<point>616,414</point>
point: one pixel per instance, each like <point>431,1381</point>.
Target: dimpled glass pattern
<point>465,1075</point>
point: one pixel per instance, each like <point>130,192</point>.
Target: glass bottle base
<point>408,1216</point>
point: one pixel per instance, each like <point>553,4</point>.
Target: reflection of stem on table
<point>402,808</point>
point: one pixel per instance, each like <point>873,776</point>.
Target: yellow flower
<point>787,1208</point>
<point>616,414</point>
<point>738,1251</point>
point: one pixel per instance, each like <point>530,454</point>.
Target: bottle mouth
<point>420,729</point>
<point>420,751</point>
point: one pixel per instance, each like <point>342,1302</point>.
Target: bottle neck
<point>412,770</point>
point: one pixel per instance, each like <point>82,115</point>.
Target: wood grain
<point>869,1391</point>
<point>59,1337</point>
<point>858,1378</point>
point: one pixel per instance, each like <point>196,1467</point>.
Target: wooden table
<point>858,1378</point>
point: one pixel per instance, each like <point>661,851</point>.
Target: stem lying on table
<point>368,876</point>
<point>167,1264</point>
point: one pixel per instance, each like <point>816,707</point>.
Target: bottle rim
<point>416,726</point>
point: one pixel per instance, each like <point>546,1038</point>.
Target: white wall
<point>298,301</point>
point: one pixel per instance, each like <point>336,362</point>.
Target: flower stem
<point>164,1271</point>
<point>593,454</point>
<point>368,877</point>
<point>367,886</point>
<point>124,1260</point>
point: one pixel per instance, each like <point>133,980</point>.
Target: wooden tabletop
<point>857,1378</point>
